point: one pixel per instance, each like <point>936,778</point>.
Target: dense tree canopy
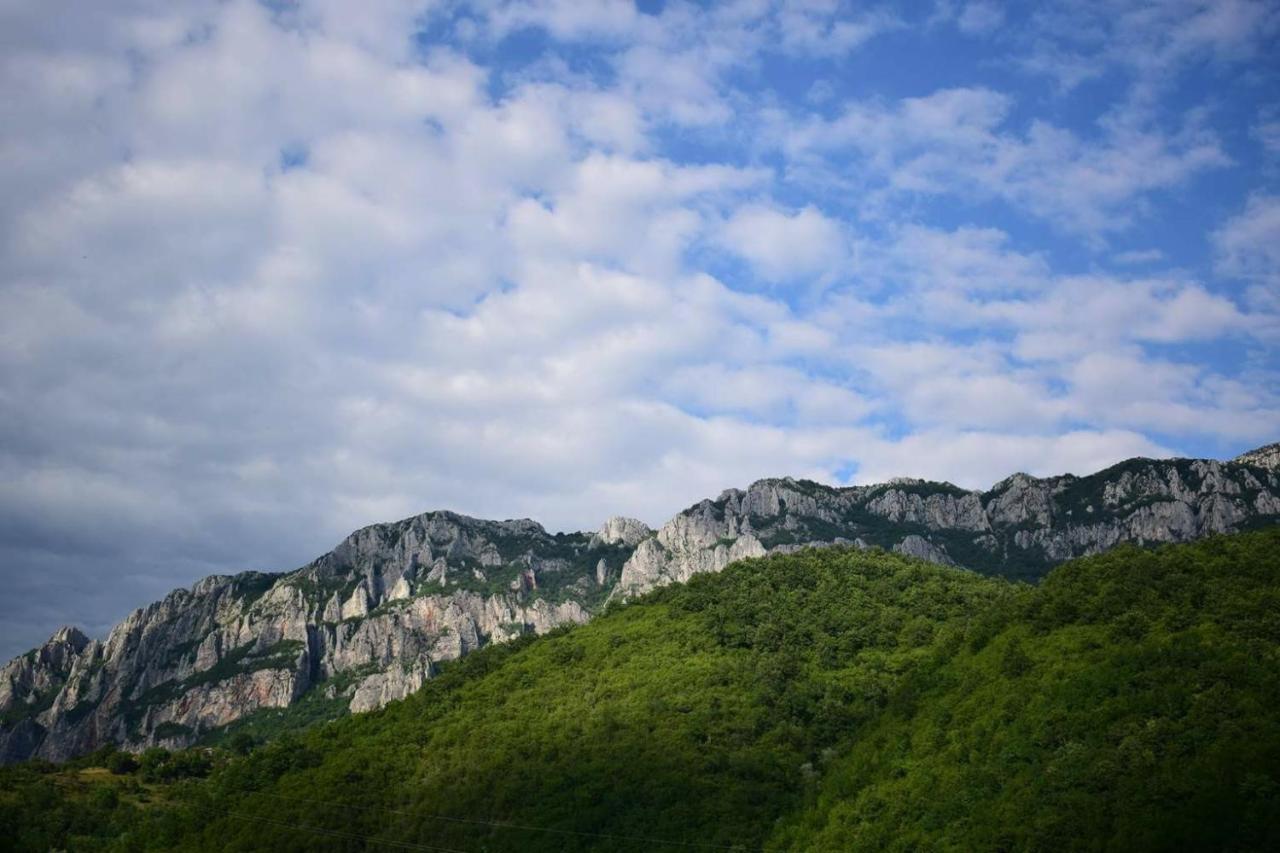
<point>830,699</point>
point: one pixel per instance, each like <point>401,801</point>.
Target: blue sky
<point>273,271</point>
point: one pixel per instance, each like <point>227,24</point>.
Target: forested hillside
<point>825,700</point>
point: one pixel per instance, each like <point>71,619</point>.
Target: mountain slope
<point>370,621</point>
<point>1130,704</point>
<point>1019,528</point>
<point>826,700</point>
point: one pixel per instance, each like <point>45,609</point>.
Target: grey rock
<point>382,607</point>
<point>621,530</point>
<point>1267,456</point>
<point>921,548</point>
<point>370,620</point>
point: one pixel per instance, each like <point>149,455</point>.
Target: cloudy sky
<point>275,270</point>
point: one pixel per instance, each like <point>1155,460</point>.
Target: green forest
<point>826,700</point>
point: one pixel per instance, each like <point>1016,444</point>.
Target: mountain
<point>372,620</point>
<point>832,699</point>
<point>1263,457</point>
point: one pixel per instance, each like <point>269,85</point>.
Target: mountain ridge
<point>369,621</point>
<point>831,699</point>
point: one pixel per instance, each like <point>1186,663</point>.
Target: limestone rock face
<point>1020,527</point>
<point>393,683</point>
<point>368,622</point>
<point>1267,456</point>
<point>30,685</point>
<point>621,530</point>
<point>938,510</point>
<point>41,670</point>
<point>922,549</point>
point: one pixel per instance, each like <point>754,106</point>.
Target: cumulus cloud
<point>274,271</point>
<point>957,142</point>
<point>1030,350</point>
<point>784,246</point>
<point>1248,244</point>
<point>1153,42</point>
<point>954,456</point>
<point>980,17</point>
<point>771,391</point>
<point>1267,132</point>
<point>1136,257</point>
<point>817,27</point>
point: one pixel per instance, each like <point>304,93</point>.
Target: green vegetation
<point>1129,703</point>
<point>171,730</point>
<point>924,488</point>
<point>575,579</point>
<point>40,702</point>
<point>826,700</point>
<point>105,800</point>
<point>497,580</point>
<point>326,700</point>
<point>251,586</point>
<point>322,588</point>
<point>240,660</point>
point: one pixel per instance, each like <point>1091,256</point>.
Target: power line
<point>509,825</point>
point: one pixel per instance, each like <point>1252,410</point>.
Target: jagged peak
<point>801,485</point>
<point>1018,478</point>
<point>621,529</point>
<point>1267,456</point>
<point>69,634</point>
<point>773,481</point>
<point>522,525</point>
<point>54,650</point>
<point>525,526</point>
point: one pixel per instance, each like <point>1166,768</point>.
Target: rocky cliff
<point>368,622</point>
<point>1019,528</point>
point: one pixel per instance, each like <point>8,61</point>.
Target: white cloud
<point>274,272</point>
<point>955,142</point>
<point>567,19</point>
<point>973,260</point>
<point>1267,132</point>
<point>784,246</point>
<point>1102,310</point>
<point>969,458</point>
<point>641,214</point>
<point>774,392</point>
<point>1152,42</point>
<point>1126,388</point>
<point>1248,244</point>
<point>1060,328</point>
<point>822,28</point>
<point>1136,257</point>
<point>980,17</point>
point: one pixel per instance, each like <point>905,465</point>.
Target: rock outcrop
<point>1019,528</point>
<point>363,625</point>
<point>621,530</point>
<point>1262,457</point>
<point>369,622</point>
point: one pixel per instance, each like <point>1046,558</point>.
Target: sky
<point>272,271</point>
